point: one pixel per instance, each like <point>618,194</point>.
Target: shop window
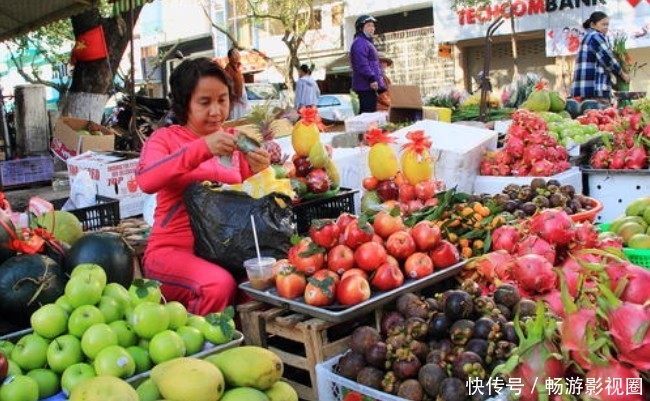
<point>315,22</point>
<point>337,15</point>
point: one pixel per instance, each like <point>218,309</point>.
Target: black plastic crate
<point>105,213</point>
<point>326,208</point>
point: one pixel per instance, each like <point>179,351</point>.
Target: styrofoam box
<point>363,121</point>
<point>616,189</point>
<point>457,149</point>
<point>493,185</point>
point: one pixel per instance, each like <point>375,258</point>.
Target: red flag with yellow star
<point>90,45</point>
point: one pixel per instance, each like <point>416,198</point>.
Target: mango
<point>557,103</point>
<point>303,137</point>
<point>103,388</point>
<point>639,241</point>
<point>616,226</point>
<point>318,156</point>
<point>333,174</point>
<point>188,379</point>
<point>638,207</point>
<point>281,391</point>
<point>148,391</point>
<point>248,366</point>
<point>627,230</point>
<point>646,215</point>
<point>244,393</point>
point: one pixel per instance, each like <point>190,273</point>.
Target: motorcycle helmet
<point>362,20</point>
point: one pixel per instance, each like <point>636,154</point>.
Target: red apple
<point>444,255</point>
<point>340,258</point>
<point>406,193</point>
<point>390,259</point>
<point>355,235</point>
<point>353,290</point>
<point>387,277</point>
<point>418,265</point>
<point>370,255</point>
<point>387,190</point>
<point>426,235</point>
<point>425,190</point>
<point>400,245</point>
<point>324,233</point>
<point>415,205</point>
<point>322,274</point>
<point>344,220</point>
<point>370,183</point>
<point>354,272</point>
<point>306,257</point>
<point>385,224</point>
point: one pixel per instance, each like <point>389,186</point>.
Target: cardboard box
<point>362,122</point>
<point>436,113</point>
<point>114,176</point>
<point>405,104</point>
<point>66,143</point>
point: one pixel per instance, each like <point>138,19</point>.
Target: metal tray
<point>337,313</point>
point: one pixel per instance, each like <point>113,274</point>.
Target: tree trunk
<point>92,81</point>
<point>513,43</point>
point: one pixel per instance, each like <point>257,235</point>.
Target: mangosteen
<point>503,349</point>
<point>436,357</point>
<point>510,206</point>
<point>480,347</point>
<point>568,210</point>
<point>430,378</point>
<point>484,305</point>
<point>538,183</point>
<point>376,354</point>
<point>410,305</point>
<point>504,311</point>
<point>371,376</point>
<point>389,320</point>
<point>511,188</point>
<point>362,338</point>
<point>439,326</point>
<point>396,341</point>
<point>419,349</point>
<point>411,390</point>
<point>529,208</point>
<point>541,201</point>
<point>407,366</point>
<point>350,364</point>
<point>513,195</point>
<point>452,389</point>
<point>461,331</point>
<point>390,383</point>
<point>501,199</point>
<point>525,194</point>
<point>416,327</point>
<point>568,190</point>
<point>555,200</point>
<point>486,329</point>
<point>471,287</point>
<point>446,346</point>
<point>509,333</point>
<point>432,304</point>
<point>526,308</point>
<point>458,305</point>
<point>554,182</point>
<point>469,364</point>
<point>507,295</point>
<point>574,205</point>
<point>520,214</point>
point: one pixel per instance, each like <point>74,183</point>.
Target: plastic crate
<point>615,189</point>
<point>326,208</point>
<point>27,171</point>
<point>105,213</point>
<point>639,257</point>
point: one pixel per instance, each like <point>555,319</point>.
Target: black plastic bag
<point>222,227</point>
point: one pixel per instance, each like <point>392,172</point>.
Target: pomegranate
<point>554,226</point>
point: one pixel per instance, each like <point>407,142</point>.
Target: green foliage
<point>460,4</point>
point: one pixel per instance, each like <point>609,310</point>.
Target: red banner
<point>90,45</point>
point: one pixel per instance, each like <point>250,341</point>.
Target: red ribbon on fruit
<point>377,135</point>
<point>419,142</point>
<point>309,115</point>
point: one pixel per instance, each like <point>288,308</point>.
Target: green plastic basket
<point>640,257</point>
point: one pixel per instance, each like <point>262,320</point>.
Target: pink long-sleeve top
<point>172,158</point>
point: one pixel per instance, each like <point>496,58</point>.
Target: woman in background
<point>307,91</point>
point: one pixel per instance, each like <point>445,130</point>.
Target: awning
<point>20,17</point>
<point>340,65</point>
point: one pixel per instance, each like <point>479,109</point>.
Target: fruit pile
<point>102,329</point>
<point>629,147</point>
<point>429,348</point>
<point>342,260</point>
<point>569,132</point>
<point>529,150</point>
<point>634,226</point>
<point>543,100</point>
<point>315,170</point>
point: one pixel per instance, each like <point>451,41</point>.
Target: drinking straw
<point>257,244</point>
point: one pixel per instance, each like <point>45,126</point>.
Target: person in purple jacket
<point>367,79</point>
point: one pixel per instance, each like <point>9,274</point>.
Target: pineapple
<point>417,162</point>
<point>265,121</point>
<point>382,159</point>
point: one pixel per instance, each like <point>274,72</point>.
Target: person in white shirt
<point>307,91</point>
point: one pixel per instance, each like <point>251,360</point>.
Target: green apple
<point>82,318</point>
<point>125,335</point>
<point>64,351</point>
<point>83,290</point>
<point>96,338</point>
<point>117,291</point>
<point>48,382</point>
<point>219,327</point>
<point>76,374</point>
<point>193,339</point>
<point>166,345</point>
<point>143,343</point>
<point>114,361</point>
<point>110,308</point>
<point>6,347</point>
<point>144,290</point>
<point>141,357</point>
<point>30,352</point>
<point>14,369</point>
<point>196,321</point>
<point>149,319</point>
<point>96,271</point>
<point>49,321</point>
<point>177,314</point>
<point>19,388</point>
<point>63,302</point>
<point>148,391</point>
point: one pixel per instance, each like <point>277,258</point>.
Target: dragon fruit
<point>605,374</point>
<point>637,281</point>
<point>534,245</point>
<point>542,168</point>
<point>534,273</point>
<point>554,226</point>
<point>505,238</point>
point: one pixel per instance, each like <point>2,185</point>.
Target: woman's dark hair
<point>184,79</point>
<point>594,18</point>
<point>231,51</point>
<point>305,68</point>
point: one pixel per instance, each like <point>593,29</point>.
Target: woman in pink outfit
<point>176,156</point>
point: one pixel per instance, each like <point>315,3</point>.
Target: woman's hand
<point>374,86</point>
<point>221,143</point>
<point>258,160</point>
<point>626,77</point>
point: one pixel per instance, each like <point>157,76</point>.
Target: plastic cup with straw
<point>260,269</point>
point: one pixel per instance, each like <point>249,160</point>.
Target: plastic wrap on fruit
<point>264,183</point>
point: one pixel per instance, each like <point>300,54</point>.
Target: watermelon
<point>7,234</point>
<point>109,250</point>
